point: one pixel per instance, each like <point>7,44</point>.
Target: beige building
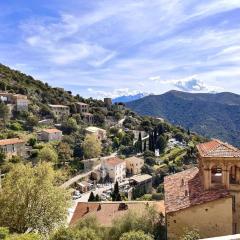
<point>52,134</point>
<point>206,198</point>
<point>13,147</point>
<point>100,133</point>
<point>82,107</point>
<point>114,169</point>
<point>61,112</point>
<point>134,165</point>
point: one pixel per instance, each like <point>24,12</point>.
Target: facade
<point>82,107</point>
<point>61,112</point>
<point>13,147</point>
<point>114,169</point>
<point>141,184</point>
<point>52,134</point>
<point>87,117</point>
<point>107,212</point>
<point>20,102</point>
<point>100,133</point>
<point>206,198</point>
<point>134,165</point>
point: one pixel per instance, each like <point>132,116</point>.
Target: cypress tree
<point>91,197</point>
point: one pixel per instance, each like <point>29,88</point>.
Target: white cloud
<point>115,93</point>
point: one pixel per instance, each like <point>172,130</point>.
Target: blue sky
<point>108,48</point>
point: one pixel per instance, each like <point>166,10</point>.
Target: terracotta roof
<point>185,189</point>
<point>217,148</point>
<point>51,130</point>
<point>114,161</point>
<point>9,141</point>
<point>106,212</point>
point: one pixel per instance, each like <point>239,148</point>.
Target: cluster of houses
<point>206,198</point>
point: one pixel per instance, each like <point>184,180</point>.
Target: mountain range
<point>129,98</point>
<point>214,115</point>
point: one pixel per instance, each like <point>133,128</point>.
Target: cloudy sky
<point>109,48</point>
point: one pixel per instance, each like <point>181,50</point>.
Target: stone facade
<point>13,147</point>
<point>51,135</point>
<point>61,112</point>
<point>134,165</point>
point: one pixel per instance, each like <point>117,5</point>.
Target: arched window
<point>233,175</point>
<point>216,174</point>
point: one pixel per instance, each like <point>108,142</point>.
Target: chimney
<point>99,207</point>
<point>87,209</point>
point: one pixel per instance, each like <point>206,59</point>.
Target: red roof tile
<point>217,148</point>
<point>185,189</point>
<point>51,130</point>
<point>106,212</point>
<point>114,161</point>
<point>9,141</point>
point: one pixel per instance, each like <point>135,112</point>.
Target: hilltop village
<point>112,168</point>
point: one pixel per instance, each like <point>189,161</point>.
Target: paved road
<point>83,175</point>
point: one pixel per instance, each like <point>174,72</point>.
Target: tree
<point>64,152</point>
<point>70,126</point>
<point>115,194</point>
<point>32,121</point>
<point>136,235</point>
<point>48,154</point>
<point>4,232</point>
<point>145,146</point>
<point>4,112</point>
<point>190,235</point>
<point>91,146</point>
<point>161,143</point>
<point>30,199</point>
<point>91,197</point>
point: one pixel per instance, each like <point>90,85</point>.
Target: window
<point>216,175</point>
<point>233,175</point>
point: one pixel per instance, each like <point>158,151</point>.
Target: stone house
<point>208,197</point>
<point>88,118</point>
<point>134,165</point>
<point>141,184</point>
<point>52,134</point>
<point>13,147</point>
<point>61,112</point>
<point>19,102</point>
<point>100,133</point>
<point>82,107</point>
<point>114,169</point>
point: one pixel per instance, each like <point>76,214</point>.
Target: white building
<point>114,168</point>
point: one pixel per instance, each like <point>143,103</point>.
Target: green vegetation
<point>30,199</point>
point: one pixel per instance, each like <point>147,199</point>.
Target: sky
<point>109,48</point>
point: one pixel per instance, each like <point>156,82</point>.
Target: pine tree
<point>115,194</point>
<point>145,146</point>
<point>140,142</point>
<point>91,197</point>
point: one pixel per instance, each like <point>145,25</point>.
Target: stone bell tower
<point>219,167</point>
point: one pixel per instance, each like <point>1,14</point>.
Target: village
<point>105,179</point>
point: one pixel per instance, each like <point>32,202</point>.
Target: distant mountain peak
<point>129,98</point>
